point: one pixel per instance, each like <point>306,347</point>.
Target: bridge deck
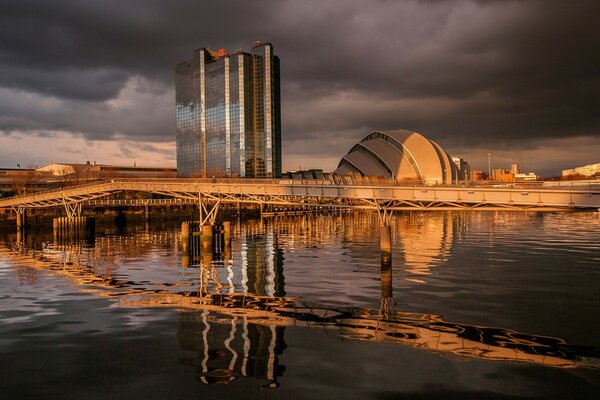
<point>325,194</point>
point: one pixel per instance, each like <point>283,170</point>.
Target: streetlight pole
<point>489,166</point>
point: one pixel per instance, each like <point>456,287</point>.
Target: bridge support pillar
<point>20,220</point>
<point>227,240</point>
<point>206,239</point>
<point>69,229</point>
<point>185,244</point>
<point>387,299</point>
<point>385,241</point>
<point>207,244</point>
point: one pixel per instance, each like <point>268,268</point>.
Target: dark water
<point>498,305</point>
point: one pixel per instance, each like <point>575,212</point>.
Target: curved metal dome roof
<point>401,155</point>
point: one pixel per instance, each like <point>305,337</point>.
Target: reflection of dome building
<point>426,241</point>
<point>400,154</point>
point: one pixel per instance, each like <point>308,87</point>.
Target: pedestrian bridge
<point>365,194</point>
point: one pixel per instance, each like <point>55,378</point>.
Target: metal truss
<point>384,199</point>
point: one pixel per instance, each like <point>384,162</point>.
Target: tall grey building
<point>229,114</point>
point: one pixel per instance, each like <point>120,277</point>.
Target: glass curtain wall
<point>228,114</point>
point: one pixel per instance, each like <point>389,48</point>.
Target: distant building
<point>464,169</point>
<point>22,180</point>
<point>512,175</point>
<point>228,113</point>
<point>400,155</point>
<point>586,170</point>
<point>316,174</point>
<point>93,171</point>
<point>531,176</point>
<point>477,175</point>
<point>505,177</point>
<point>498,172</point>
<point>56,175</point>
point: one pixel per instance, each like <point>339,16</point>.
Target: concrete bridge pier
<point>385,230</point>
<point>206,238</point>
<point>227,240</point>
<point>387,299</point>
<point>385,242</point>
<point>204,242</point>
<point>385,249</point>
<point>21,219</point>
<point>185,244</point>
<point>200,242</point>
<point>207,244</point>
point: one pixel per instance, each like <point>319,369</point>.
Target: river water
<point>500,305</point>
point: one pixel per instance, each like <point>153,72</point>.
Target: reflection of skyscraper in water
<point>259,269</point>
<point>262,264</point>
<point>229,347</point>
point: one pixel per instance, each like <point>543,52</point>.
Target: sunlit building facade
<point>400,155</point>
<point>464,169</point>
<point>228,114</point>
<point>586,170</point>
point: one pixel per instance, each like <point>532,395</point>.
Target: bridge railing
<point>374,181</point>
<point>340,181</point>
<point>136,202</point>
<point>55,189</point>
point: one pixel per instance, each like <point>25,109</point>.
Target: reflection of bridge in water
<point>234,316</point>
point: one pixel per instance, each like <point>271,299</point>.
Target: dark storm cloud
<point>477,73</point>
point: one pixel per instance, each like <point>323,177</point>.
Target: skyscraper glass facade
<point>228,114</point>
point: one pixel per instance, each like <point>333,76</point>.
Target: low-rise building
<point>464,169</point>
<point>317,174</point>
<point>496,173</point>
<point>477,175</point>
<point>586,170</point>
<point>531,176</point>
<point>24,180</point>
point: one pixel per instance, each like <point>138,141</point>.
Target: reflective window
<point>236,99</point>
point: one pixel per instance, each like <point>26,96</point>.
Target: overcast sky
<point>94,80</point>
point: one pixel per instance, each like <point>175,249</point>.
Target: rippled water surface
<point>471,305</point>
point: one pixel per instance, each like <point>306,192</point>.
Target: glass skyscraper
<point>229,114</point>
